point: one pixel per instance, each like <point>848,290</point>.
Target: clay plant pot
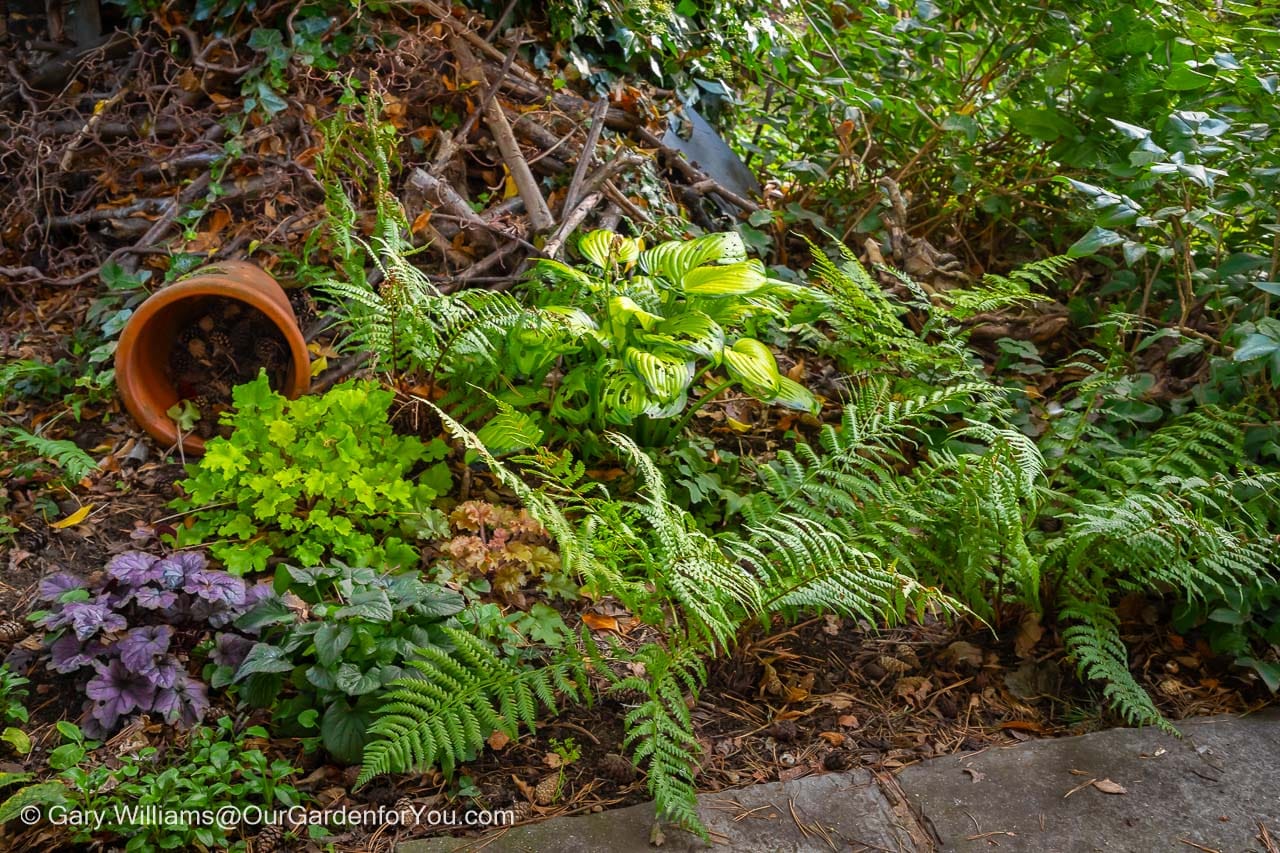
<point>142,355</point>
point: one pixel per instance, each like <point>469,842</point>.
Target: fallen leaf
<point>75,518</point>
<point>1106,786</point>
<point>597,622</point>
<point>962,652</point>
<point>1029,633</point>
<point>421,221</point>
<point>498,739</point>
<point>848,721</point>
<point>833,738</point>
<point>552,760</point>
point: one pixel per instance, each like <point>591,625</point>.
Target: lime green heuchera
<point>313,478</point>
<point>635,343</point>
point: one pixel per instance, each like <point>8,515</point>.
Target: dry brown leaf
<point>421,221</point>
<point>1106,786</point>
<point>596,622</point>
<point>1029,633</point>
<point>848,721</point>
<point>962,652</point>
<point>498,740</point>
<point>833,738</point>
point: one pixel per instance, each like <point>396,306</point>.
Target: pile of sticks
<point>132,149</point>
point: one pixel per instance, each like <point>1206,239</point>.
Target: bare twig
<point>539,214</point>
<point>570,223</point>
<point>588,151</point>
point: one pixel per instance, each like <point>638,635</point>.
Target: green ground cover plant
<point>313,478</point>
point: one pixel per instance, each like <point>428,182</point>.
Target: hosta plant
<point>313,478</point>
<point>129,633</point>
<point>631,337</point>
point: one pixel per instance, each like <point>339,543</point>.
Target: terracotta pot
<point>142,356</point>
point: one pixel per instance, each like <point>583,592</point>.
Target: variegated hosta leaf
<point>728,280</point>
<point>532,343</point>
<point>572,401</point>
<point>624,397</point>
<point>603,248</point>
<point>673,259</point>
<point>623,308</point>
<point>696,333</point>
<point>793,395</point>
<point>664,376</point>
<point>752,364</point>
<point>575,321</point>
<point>556,271</point>
<point>659,409</point>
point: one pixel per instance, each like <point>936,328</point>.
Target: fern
<point>998,291</point>
<point>66,455</point>
<point>458,698</point>
<point>509,430</point>
<point>869,328</point>
<point>690,569</point>
<point>406,322</point>
<point>1100,654</point>
<point>659,731</point>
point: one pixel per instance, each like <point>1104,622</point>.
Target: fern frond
<point>443,715</point>
<point>998,291</point>
<point>67,455</point>
<point>1095,644</point>
<point>659,732</point>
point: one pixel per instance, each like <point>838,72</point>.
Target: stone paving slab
<point>816,814</point>
<point>1208,791</point>
<point>1211,791</point>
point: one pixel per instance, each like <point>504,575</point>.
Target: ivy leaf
<point>343,731</point>
<point>269,611</point>
<point>353,681</point>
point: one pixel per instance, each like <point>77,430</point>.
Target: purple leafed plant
<point>130,633</point>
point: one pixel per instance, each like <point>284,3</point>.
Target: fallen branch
<point>556,242</point>
<point>584,157</point>
<point>496,120</point>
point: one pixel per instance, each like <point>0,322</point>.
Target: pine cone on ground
<point>618,768</point>
<point>784,731</point>
<point>11,630</point>
<point>522,810</point>
<point>404,808</point>
<point>242,335</point>
<point>268,353</point>
<point>269,839</point>
<point>546,791</point>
